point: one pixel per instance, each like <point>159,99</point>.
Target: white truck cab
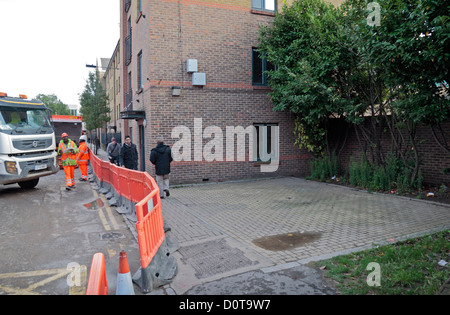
<point>27,142</point>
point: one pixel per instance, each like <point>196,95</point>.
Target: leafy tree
<point>55,104</point>
<point>94,103</point>
<point>331,62</point>
<point>410,51</point>
<point>314,68</point>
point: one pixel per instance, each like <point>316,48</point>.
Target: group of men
<point>126,155</point>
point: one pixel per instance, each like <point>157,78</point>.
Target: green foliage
<point>413,46</point>
<point>54,103</point>
<point>331,63</point>
<point>323,168</point>
<point>94,103</point>
<point>302,43</point>
<point>314,142</point>
<point>407,267</point>
<point>392,176</point>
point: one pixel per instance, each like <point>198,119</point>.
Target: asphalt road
<point>48,237</point>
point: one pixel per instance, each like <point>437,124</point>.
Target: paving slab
<point>220,226</point>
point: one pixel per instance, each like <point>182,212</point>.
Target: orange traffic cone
<point>124,282</point>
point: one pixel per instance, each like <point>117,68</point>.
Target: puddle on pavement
<point>94,205</point>
<point>286,241</point>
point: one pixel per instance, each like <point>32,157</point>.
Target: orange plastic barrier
<point>149,226</point>
<point>140,188</point>
<point>97,284</point>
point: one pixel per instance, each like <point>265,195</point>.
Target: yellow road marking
<point>103,219</point>
<point>54,274</point>
<point>80,290</point>
<point>32,273</point>
<point>108,210</point>
<point>111,252</point>
<point>110,214</point>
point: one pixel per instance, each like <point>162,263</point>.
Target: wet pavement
<point>47,231</point>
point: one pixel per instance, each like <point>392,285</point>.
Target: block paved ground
<point>227,217</point>
<point>216,226</point>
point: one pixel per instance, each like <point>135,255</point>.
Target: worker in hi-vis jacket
<point>68,151</point>
<point>83,158</point>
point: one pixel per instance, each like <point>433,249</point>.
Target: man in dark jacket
<point>113,150</point>
<point>128,154</point>
<point>161,157</point>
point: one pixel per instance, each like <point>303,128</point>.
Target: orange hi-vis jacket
<point>83,154</point>
<point>68,158</point>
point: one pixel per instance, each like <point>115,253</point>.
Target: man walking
<point>161,157</point>
<point>113,151</point>
<point>128,154</point>
<point>68,150</point>
<point>83,158</point>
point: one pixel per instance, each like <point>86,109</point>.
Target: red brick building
<point>190,74</point>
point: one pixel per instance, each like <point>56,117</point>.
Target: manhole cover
<point>111,236</point>
<point>214,257</point>
<point>286,241</point>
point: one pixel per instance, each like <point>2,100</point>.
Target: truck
<point>27,141</point>
<point>72,125</point>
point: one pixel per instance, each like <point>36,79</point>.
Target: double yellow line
<point>55,274</point>
<point>115,226</point>
<point>102,216</point>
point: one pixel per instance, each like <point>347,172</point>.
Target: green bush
<point>362,173</point>
<point>323,168</point>
<point>392,175</point>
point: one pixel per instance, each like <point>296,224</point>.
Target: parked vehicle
<point>72,125</point>
<point>27,141</point>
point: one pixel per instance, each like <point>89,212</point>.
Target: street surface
<point>244,237</point>
<point>49,235</point>
<point>263,232</point>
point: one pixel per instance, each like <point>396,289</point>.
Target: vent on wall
<point>191,65</point>
<point>198,78</point>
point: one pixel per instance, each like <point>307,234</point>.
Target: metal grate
<point>214,257</point>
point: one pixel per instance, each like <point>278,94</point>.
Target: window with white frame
<point>264,5</point>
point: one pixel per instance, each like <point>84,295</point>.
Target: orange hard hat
<point>64,135</point>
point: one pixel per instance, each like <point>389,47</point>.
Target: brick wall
<point>221,108</point>
<point>220,35</point>
<point>434,159</point>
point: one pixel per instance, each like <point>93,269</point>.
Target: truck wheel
<point>29,183</point>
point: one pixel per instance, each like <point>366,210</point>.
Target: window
<point>260,66</point>
<point>265,142</point>
<point>129,94</point>
<point>264,5</point>
<point>138,9</point>
<point>127,5</point>
<point>128,44</point>
<point>139,71</point>
<point>22,120</point>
